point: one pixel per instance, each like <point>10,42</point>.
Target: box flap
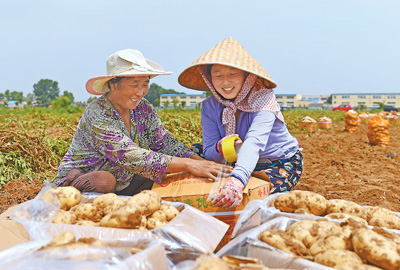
<point>12,233</point>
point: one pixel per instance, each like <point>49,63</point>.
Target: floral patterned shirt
<point>103,143</point>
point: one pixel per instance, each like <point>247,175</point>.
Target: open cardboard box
<point>195,191</point>
<point>29,256</point>
<point>247,244</point>
<point>183,237</point>
<point>12,233</point>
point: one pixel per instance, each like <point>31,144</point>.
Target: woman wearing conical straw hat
<point>120,144</point>
<point>243,104</point>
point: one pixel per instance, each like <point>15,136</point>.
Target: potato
<point>355,266</point>
<point>87,223</point>
<point>376,211</point>
<point>67,196</point>
<point>64,238</point>
<point>388,221</point>
<point>212,263</point>
<point>92,241</point>
<point>335,241</point>
<point>346,217</point>
<point>146,201</point>
<point>169,210</point>
<point>143,222</point>
<point>128,217</point>
<point>115,205</point>
<point>301,201</point>
<point>334,257</point>
<point>344,206</point>
<point>104,200</point>
<point>153,223</point>
<point>376,248</point>
<point>389,235</point>
<point>242,262</point>
<point>283,241</point>
<point>309,231</point>
<point>64,217</point>
<point>160,215</point>
<point>87,211</point>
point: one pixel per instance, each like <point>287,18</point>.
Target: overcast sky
<point>308,46</point>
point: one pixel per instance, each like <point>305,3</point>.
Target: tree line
<point>47,92</point>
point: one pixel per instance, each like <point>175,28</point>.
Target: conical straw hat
<point>228,52</point>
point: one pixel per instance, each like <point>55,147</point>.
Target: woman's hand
<point>219,143</point>
<point>201,167</point>
<point>231,194</point>
<point>210,169</point>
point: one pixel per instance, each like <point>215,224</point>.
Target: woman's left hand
<point>231,194</point>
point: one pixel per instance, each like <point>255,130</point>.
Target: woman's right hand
<point>202,168</point>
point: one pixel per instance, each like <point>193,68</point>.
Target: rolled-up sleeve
<point>254,143</point>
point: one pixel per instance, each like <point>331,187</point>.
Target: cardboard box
<point>248,245</point>
<point>308,124</point>
<point>183,236</point>
<point>23,256</point>
<point>11,232</point>
<point>192,190</point>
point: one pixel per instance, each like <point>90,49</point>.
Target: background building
<point>182,100</point>
<point>288,101</point>
<point>366,100</point>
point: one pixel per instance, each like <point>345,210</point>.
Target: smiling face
<point>228,81</point>
<point>125,94</point>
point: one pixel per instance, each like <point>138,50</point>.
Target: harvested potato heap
<point>66,246</point>
<point>307,202</point>
<point>351,121</point>
<point>378,131</point>
<point>308,124</point>
<point>141,211</point>
<point>347,246</point>
<point>324,123</point>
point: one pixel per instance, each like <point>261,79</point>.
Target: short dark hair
<point>115,80</point>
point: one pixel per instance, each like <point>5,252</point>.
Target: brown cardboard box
<point>11,232</point>
<point>324,123</point>
<point>308,124</point>
<point>192,190</point>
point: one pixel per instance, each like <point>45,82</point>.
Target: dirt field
<point>338,165</point>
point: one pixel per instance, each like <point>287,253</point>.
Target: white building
<point>189,100</point>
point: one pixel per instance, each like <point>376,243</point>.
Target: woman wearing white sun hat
<point>243,105</point>
<point>120,144</point>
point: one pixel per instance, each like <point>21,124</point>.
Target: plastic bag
<point>352,120</point>
<point>248,245</point>
<point>186,234</point>
<point>28,256</point>
<point>378,131</point>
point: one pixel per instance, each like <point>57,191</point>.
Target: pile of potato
<point>67,247</point>
<point>141,211</point>
<point>348,246</point>
<point>307,202</point>
<point>342,246</point>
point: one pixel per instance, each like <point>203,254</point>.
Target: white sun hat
<point>125,63</point>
